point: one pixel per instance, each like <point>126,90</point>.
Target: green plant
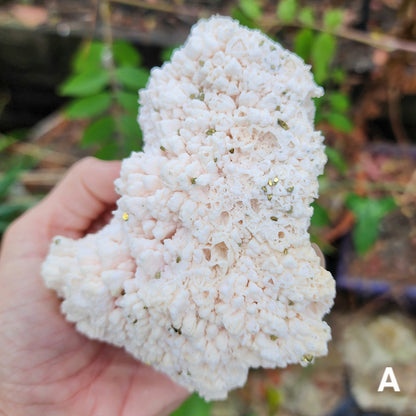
<point>166,53</point>
<point>368,212</point>
<point>248,13</point>
<point>103,86</point>
<point>12,203</point>
<point>193,406</point>
<point>315,40</point>
<point>316,43</point>
<point>274,400</point>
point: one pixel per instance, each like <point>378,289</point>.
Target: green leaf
<point>303,43</point>
<point>365,235</point>
<point>133,78</point>
<point>237,14</point>
<point>366,207</point>
<point>132,135</point>
<point>8,212</point>
<point>286,10</point>
<point>368,213</point>
<point>88,57</point>
<point>320,217</point>
<point>306,16</point>
<point>333,18</point>
<point>6,141</point>
<point>251,8</point>
<point>193,406</point>
<point>340,122</point>
<point>126,54</point>
<point>19,133</point>
<point>109,151</point>
<point>274,399</point>
<point>98,131</point>
<point>85,83</point>
<point>339,101</point>
<point>129,101</point>
<point>8,179</point>
<point>322,54</point>
<point>166,53</point>
<point>130,127</point>
<point>132,144</point>
<point>337,160</point>
<point>3,226</point>
<point>87,107</point>
<point>338,75</point>
<point>318,101</point>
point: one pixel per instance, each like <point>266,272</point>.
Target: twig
<point>363,186</point>
<point>375,40</point>
<point>159,7</point>
<point>270,21</point>
<point>50,123</point>
<point>342,228</point>
<point>378,40</point>
<point>45,155</point>
<point>105,14</point>
<point>42,178</point>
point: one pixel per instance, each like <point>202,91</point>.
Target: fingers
<point>83,195</point>
<point>154,393</point>
<point>319,253</point>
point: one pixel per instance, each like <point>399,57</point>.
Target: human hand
<point>46,367</point>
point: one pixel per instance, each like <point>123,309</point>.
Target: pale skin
<point>46,367</point>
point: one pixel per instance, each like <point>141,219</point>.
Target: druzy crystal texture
<point>206,268</point>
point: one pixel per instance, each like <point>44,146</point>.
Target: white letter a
<point>388,374</point>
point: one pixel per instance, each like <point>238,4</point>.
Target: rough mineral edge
<point>206,268</point>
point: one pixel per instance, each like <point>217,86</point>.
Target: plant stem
<point>269,22</point>
<point>375,40</point>
<point>349,186</point>
<point>105,13</point>
<point>159,7</point>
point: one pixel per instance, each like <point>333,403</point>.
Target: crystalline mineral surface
<point>206,268</point>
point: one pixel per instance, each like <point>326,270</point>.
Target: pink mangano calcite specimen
<point>206,268</point>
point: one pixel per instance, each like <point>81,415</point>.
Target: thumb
<point>85,192</point>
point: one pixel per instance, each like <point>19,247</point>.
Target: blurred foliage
<point>103,88</point>
<point>12,202</point>
<point>369,213</point>
<point>315,41</point>
<point>274,400</point>
<point>105,77</point>
<point>193,406</point>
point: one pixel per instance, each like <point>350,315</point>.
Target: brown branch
<point>105,13</point>
<point>269,21</point>
<point>363,187</point>
<point>46,155</point>
<point>42,179</point>
<point>344,225</point>
<point>159,7</point>
<point>375,40</point>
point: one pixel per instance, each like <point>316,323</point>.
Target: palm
<point>45,364</point>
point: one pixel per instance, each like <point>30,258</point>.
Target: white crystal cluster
<point>206,268</point>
